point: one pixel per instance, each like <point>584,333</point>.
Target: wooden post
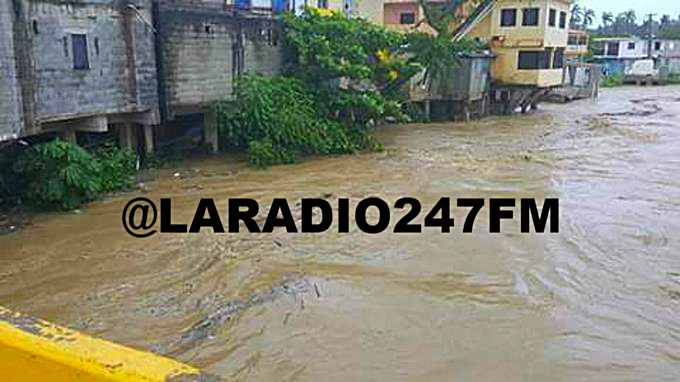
<point>428,110</point>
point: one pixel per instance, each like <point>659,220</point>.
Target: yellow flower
<point>324,12</point>
<point>392,75</point>
<point>383,55</point>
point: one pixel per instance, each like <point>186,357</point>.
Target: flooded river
<point>598,301</point>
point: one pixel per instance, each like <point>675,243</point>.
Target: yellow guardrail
<point>36,350</point>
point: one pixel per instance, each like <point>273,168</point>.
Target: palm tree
<point>631,18</point>
<point>620,25</point>
<point>588,17</point>
<point>666,21</point>
<point>576,15</point>
<point>607,19</point>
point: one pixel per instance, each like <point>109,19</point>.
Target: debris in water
<point>208,326</point>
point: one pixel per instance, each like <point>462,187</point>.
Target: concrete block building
<point>70,66</point>
<point>77,65</point>
<point>11,112</point>
<point>202,48</point>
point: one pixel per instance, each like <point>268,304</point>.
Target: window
<point>657,45</point>
<point>508,17</point>
<point>563,20</point>
<point>530,17</point>
<point>552,19</point>
<point>558,60</point>
<point>407,18</point>
<point>573,40</point>
<point>322,4</point>
<point>534,60</point>
<point>613,49</point>
<point>631,46</point>
<point>79,44</point>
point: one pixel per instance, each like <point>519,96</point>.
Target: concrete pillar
<point>148,139</point>
<point>210,131</point>
<point>505,102</point>
<point>466,111</point>
<point>428,110</point>
<point>127,136</point>
<point>69,135</point>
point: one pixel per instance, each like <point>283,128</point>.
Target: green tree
<point>576,15</point>
<point>630,18</point>
<point>588,17</point>
<point>607,19</point>
<point>440,52</point>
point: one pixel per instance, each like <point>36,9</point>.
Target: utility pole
<point>650,35</point>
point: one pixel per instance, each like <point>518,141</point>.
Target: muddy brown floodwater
<point>598,301</point>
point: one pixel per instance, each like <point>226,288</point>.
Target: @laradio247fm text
<point>140,216</point>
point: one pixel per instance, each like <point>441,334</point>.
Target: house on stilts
<point>528,40</point>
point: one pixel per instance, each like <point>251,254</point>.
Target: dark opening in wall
<point>65,45</point>
<point>552,18</point>
<point>530,17</point>
<point>563,20</point>
<point>558,59</point>
<point>35,26</point>
<point>407,18</point>
<point>80,58</point>
<point>534,60</point>
<point>508,17</point>
<point>96,46</point>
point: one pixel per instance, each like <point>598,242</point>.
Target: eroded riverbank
<point>599,300</point>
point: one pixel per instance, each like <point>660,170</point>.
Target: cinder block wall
<point>59,90</point>
<point>11,115</point>
<point>197,45</point>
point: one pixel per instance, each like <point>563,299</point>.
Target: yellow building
<point>577,46</point>
<point>528,38</point>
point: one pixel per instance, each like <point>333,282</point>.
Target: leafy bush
<point>62,175</point>
<point>117,167</point>
<point>276,119</point>
<point>674,79</point>
<point>347,76</point>
<point>612,81</point>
